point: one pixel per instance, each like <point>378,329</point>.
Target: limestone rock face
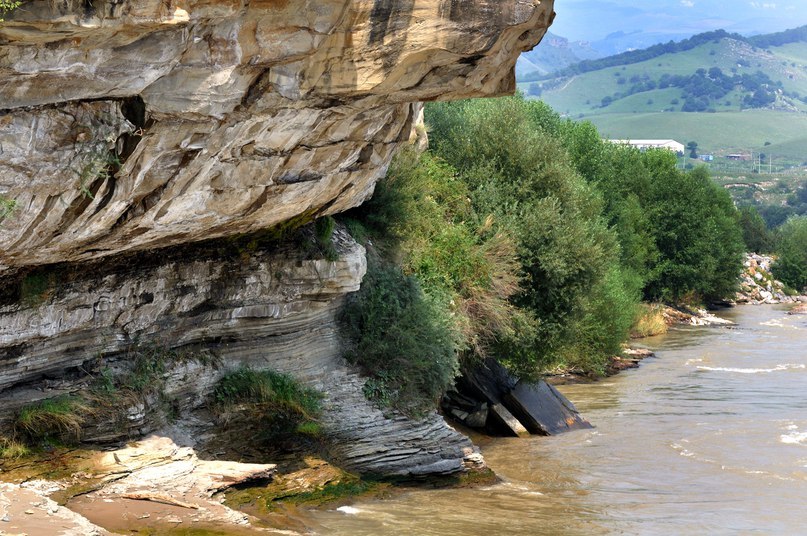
<point>263,309</point>
<point>137,124</point>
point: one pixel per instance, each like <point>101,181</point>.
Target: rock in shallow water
<point>542,409</point>
<point>514,407</point>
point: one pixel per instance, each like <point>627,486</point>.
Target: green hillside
<point>721,133</point>
<point>726,93</point>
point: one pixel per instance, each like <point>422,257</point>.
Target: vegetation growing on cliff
<point>108,400</point>
<point>7,206</point>
<point>7,6</point>
<point>282,406</point>
<point>59,418</point>
<point>402,338</point>
<point>537,240</point>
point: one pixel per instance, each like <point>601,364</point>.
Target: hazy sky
<point>590,20</point>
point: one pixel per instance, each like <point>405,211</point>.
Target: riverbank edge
<point>680,315</point>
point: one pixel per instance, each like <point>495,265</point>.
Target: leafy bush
<point>456,257</point>
<point>608,315</point>
<point>509,153</point>
<point>6,6</point>
<point>402,338</point>
<point>791,266</point>
<point>7,206</point>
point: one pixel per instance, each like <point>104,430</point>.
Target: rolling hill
<point>727,92</point>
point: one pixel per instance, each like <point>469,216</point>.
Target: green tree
<point>697,234</point>
<point>692,147</point>
<point>791,266</point>
<point>756,235</point>
<point>510,153</point>
<point>648,202</point>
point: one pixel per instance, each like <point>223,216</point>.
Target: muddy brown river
<point>709,437</point>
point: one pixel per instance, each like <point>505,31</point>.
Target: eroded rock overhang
<point>142,124</point>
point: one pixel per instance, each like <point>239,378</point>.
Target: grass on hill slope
<point>584,93</point>
<point>715,132</point>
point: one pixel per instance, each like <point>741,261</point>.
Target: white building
<point>672,145</point>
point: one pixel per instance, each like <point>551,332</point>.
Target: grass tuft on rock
<point>12,449</point>
<point>59,418</point>
<point>281,404</point>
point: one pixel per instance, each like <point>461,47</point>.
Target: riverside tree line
<point>523,236</point>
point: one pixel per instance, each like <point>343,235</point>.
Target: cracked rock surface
<point>270,309</point>
<point>138,124</point>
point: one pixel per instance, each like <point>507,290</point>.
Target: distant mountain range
<point>553,54</point>
<point>609,27</point>
<point>556,52</point>
<point>633,24</point>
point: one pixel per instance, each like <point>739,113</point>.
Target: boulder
<point>503,420</point>
<point>543,410</point>
<point>489,382</point>
<point>514,407</point>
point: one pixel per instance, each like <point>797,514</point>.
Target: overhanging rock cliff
<point>134,126</point>
<point>142,124</point>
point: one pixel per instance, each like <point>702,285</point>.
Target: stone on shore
<point>514,407</point>
<point>24,510</point>
<point>757,283</point>
<point>543,410</point>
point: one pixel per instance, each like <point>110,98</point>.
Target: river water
<point>709,437</point>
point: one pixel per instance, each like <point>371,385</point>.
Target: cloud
<point>687,3</point>
<point>763,5</point>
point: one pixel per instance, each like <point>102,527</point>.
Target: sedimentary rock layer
<point>260,308</point>
<point>137,124</point>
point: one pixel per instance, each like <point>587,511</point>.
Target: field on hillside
<point>728,127</point>
<point>720,133</point>
<point>583,94</point>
